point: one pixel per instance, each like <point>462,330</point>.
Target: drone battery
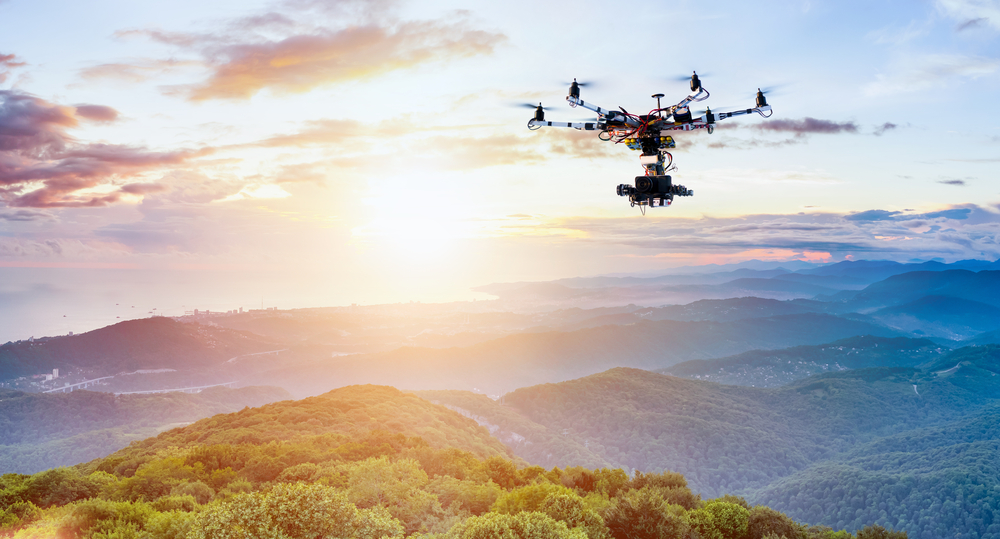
<point>649,159</point>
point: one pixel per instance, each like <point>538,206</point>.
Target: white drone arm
<point>762,108</point>
<point>602,113</point>
<point>700,94</point>
<point>763,111</point>
<point>586,126</point>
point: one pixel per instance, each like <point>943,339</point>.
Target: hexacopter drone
<point>650,134</point>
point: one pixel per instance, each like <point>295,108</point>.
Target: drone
<point>649,133</point>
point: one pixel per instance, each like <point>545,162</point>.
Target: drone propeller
<point>581,84</point>
<point>685,78</point>
<point>773,90</point>
<point>532,106</point>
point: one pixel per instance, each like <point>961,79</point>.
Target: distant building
<point>55,373</point>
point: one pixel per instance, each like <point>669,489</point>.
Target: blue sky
<point>325,153</point>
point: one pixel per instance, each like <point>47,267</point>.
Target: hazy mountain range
<point>799,389</point>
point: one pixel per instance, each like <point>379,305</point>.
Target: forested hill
<point>338,412</point>
<point>774,368</point>
<point>148,343</point>
<point>46,430</point>
<point>943,481</point>
<point>348,465</point>
<point>724,438</point>
<point>527,359</point>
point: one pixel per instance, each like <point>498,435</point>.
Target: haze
<point>302,153</point>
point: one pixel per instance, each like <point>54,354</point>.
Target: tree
<point>501,471</point>
<point>730,519</point>
<point>764,522</point>
<point>878,532</point>
<point>642,514</point>
<point>529,525</point>
<point>527,498</point>
<point>569,508</point>
<point>297,511</point>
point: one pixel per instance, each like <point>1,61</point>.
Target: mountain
<point>526,359</point>
<point>735,439</point>
<point>837,282</point>
<point>40,431</point>
<point>148,343</point>
<point>988,337</point>
<point>939,481</point>
<point>348,464</point>
<point>877,270</point>
<point>942,316</point>
<point>529,440</point>
<point>774,368</point>
<point>905,288</point>
<point>716,310</point>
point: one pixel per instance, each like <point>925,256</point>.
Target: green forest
<point>366,462</point>
<point>901,447</point>
<point>942,480</point>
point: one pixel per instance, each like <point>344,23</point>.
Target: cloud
<point>143,188</point>
<point>318,132</point>
<point>138,70</point>
<point>7,62</point>
<point>887,126</point>
<point>58,248</point>
<point>952,182</point>
<point>26,215</point>
<point>931,71</point>
<point>972,13</point>
<point>872,215</point>
<point>97,113</point>
<point>43,166</point>
<point>972,232</point>
<point>808,125</point>
<point>971,23</point>
<point>274,52</point>
<point>957,214</point>
<point>885,215</point>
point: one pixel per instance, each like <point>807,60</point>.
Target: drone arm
<point>586,126</point>
<point>700,95</point>
<point>575,101</point>
<point>716,116</point>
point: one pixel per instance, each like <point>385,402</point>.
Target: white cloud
<point>979,12</point>
<point>930,71</point>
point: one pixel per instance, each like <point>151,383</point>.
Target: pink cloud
<point>278,53</point>
<point>43,166</point>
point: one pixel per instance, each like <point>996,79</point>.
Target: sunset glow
<point>372,150</point>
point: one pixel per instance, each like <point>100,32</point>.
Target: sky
<point>300,153</point>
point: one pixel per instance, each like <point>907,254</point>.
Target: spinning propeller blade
<point>685,78</point>
<point>581,84</point>
<point>531,106</point>
<point>776,89</point>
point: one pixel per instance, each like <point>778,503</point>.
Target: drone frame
<point>649,134</point>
